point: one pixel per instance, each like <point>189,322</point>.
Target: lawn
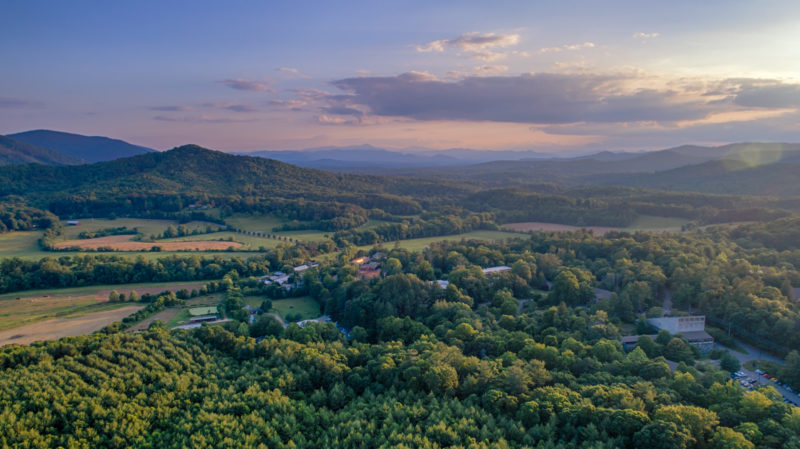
<point>306,306</point>
<point>200,311</point>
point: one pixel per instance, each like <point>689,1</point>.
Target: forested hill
<point>87,148</point>
<point>760,169</point>
<point>14,152</point>
<point>727,176</point>
<point>189,168</point>
<point>165,182</point>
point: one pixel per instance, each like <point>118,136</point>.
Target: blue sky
<point>557,76</point>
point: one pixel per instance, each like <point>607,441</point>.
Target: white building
<point>691,327</point>
<point>680,324</point>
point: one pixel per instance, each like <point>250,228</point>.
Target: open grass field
<point>254,301</point>
<point>68,326</point>
<point>124,243</point>
<point>21,244</point>
<point>642,223</point>
<point>25,245</point>
<point>265,223</point>
<point>35,253</point>
<point>420,243</point>
<point>653,223</point>
<point>102,291</point>
<point>540,226</point>
<point>247,241</point>
<point>21,308</point>
<point>145,226</point>
<point>304,305</point>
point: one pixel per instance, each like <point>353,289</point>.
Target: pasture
<point>642,223</point>
<point>420,243</point>
<point>24,245</point>
<point>144,226</point>
<point>21,308</point>
<point>88,321</point>
<point>540,226</point>
<point>246,241</point>
<point>124,243</point>
<point>265,224</point>
<point>653,223</point>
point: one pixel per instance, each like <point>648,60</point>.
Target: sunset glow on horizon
<point>244,76</point>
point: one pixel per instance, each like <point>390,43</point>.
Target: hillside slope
<point>728,177</point>
<point>14,152</point>
<point>88,148</point>
<point>188,169</point>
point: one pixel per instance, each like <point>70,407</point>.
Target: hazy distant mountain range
<point>369,159</point>
<point>739,168</point>
<point>83,148</point>
<point>578,168</point>
<point>368,156</point>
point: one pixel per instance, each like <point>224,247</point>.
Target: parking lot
<point>754,379</point>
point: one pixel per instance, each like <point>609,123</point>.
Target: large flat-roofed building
<point>693,328</point>
<point>680,324</point>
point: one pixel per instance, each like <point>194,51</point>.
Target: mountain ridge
<point>13,152</point>
<point>87,148</point>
